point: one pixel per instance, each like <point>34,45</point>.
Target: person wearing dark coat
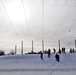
<point>41,55</point>
<point>57,57</point>
<point>49,53</point>
<point>54,50</point>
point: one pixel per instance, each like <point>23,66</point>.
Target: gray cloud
<point>59,16</point>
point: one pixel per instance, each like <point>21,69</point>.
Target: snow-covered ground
<point>31,64</point>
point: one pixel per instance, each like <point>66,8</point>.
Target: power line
<point>72,25</point>
<point>43,18</point>
<point>9,19</point>
<point>26,19</point>
<point>69,30</point>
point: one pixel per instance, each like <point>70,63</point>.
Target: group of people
<point>57,57</point>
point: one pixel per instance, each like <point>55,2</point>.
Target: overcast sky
<point>17,25</point>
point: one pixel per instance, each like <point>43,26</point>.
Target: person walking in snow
<point>49,52</point>
<point>54,50</point>
<point>57,57</point>
<point>41,55</point>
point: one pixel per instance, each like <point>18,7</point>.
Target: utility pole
<point>22,47</point>
<point>43,46</point>
<point>15,49</point>
<point>32,46</point>
<point>59,44</point>
<point>75,43</point>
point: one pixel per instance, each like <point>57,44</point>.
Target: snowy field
<point>30,64</point>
